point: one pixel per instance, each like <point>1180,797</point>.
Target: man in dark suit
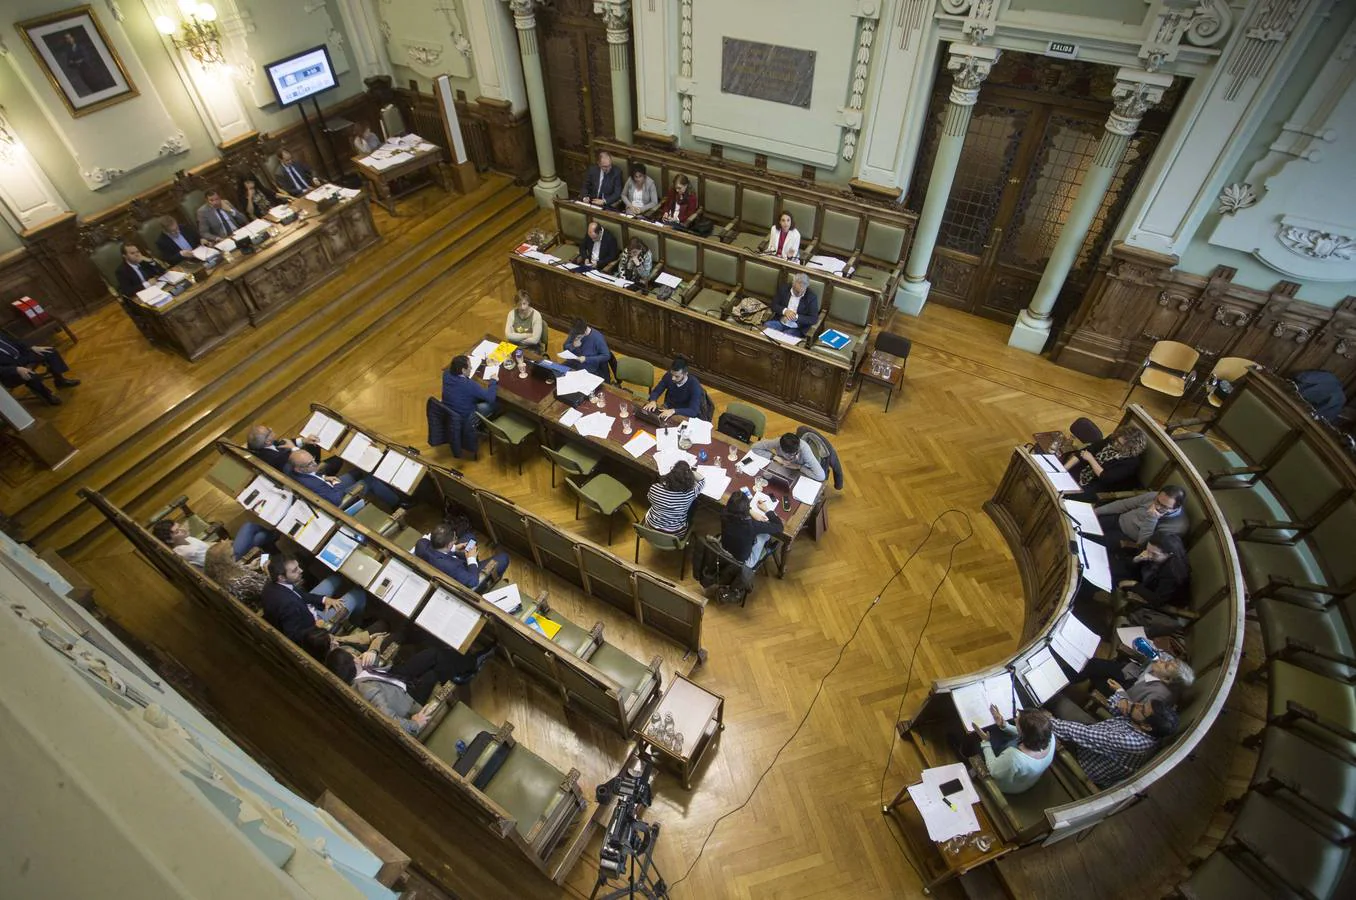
<point>442,550</point>
<point>295,613</point>
<point>18,362</point>
<point>265,444</point>
<point>331,488</point>
<point>795,309</point>
<point>217,218</point>
<point>598,248</point>
<point>296,178</point>
<point>137,271</point>
<point>603,183</point>
<point>175,242</point>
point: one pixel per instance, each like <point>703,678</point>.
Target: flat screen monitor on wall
<point>302,75</point>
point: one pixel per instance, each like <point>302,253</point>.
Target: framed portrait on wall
<point>78,60</point>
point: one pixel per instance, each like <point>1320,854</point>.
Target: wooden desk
<point>882,369</point>
<point>939,863</point>
<point>249,289</point>
<point>417,161</point>
<point>698,715</point>
<point>791,380</point>
<point>536,398</point>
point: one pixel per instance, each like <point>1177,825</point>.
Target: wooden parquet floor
<point>811,826</point>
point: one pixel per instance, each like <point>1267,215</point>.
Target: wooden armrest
<point>696,215</point>
<point>1280,581</point>
<point>851,265</point>
<point>1294,646</point>
<point>1252,525</point>
<point>808,250</point>
<point>1295,710</point>
<point>1182,424</point>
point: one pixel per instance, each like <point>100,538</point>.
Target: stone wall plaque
<point>767,72</point>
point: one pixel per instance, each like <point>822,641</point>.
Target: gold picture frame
<point>78,60</point>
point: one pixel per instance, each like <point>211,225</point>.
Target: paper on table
<point>578,381</point>
<point>506,598</point>
<point>339,548</point>
<point>943,822</point>
<point>325,430</point>
<point>639,445</point>
<point>566,355</point>
<point>388,467</point>
<point>1074,642</point>
<point>408,474</point>
<point>570,416</point>
<point>783,337</point>
<point>698,431</point>
<point>407,597</point>
<point>266,500</point>
<point>753,463</point>
<point>666,461</point>
<point>1096,567</point>
<point>667,280</point>
<point>448,618</point>
<point>715,481</point>
<point>173,276</point>
<point>484,349</point>
<point>491,371</point>
<point>828,263</point>
<point>154,295</point>
<point>541,257</point>
<point>226,245</point>
<point>1054,472</point>
<point>296,517</point>
<point>806,489</point>
<point>203,254</point>
<point>973,700</point>
<point>362,452</point>
<point>1043,676</point>
<point>936,777</point>
<point>315,531</point>
<point>1128,636</point>
<point>1083,516</point>
<point>667,439</point>
<point>389,580</point>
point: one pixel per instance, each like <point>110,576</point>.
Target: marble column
<point>969,66</point>
<point>617,16</point>
<point>1136,90</point>
<point>548,185</point>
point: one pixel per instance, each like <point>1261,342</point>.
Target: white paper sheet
<point>362,452</point>
<point>595,424</point>
<point>316,530</point>
<point>828,263</point>
<point>1128,635</point>
<point>204,254</point>
<point>782,337</point>
<point>389,580</point>
<point>642,443</point>
<point>325,430</point>
<point>1054,472</point>
<point>566,355</point>
<point>154,295</point>
<point>940,775</point>
<point>406,598</point>
<point>296,517</point>
<point>806,489</point>
<point>448,618</point>
<point>666,439</point>
<point>541,257</point>
<point>173,276</point>
<point>408,475</point>
<point>266,499</point>
<point>491,372</point>
<point>1096,567</point>
<point>943,822</point>
<point>1042,674</point>
<point>577,381</point>
<point>667,280</point>
<point>753,463</point>
<point>1074,642</point>
<point>484,349</point>
<point>715,481</point>
<point>666,461</point>
<point>280,211</point>
<point>569,417</point>
<point>226,245</point>
<point>698,431</point>
<point>506,598</point>
<point>973,700</point>
<point>1083,515</point>
<point>389,466</point>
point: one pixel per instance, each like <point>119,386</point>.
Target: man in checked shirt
<point>1113,749</point>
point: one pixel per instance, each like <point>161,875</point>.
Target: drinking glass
<point>734,453</point>
<point>599,399</point>
<point>624,411</point>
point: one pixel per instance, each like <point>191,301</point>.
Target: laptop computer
<point>650,417</point>
<point>543,370</point>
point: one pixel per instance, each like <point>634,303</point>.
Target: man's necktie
<point>225,221</point>
<point>296,179</point>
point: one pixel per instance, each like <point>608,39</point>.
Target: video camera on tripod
<point>628,845</point>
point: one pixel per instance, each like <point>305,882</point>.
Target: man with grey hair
<point>795,309</point>
<point>264,443</point>
<point>332,488</point>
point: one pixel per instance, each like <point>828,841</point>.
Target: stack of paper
<point>448,618</point>
<point>698,431</point>
<point>598,275</point>
<point>569,417</point>
<point>316,529</point>
<point>665,461</point>
<point>1074,642</point>
<point>506,598</point>
<point>667,280</point>
<point>325,430</point>
<point>828,263</point>
<point>321,193</point>
<point>578,381</point>
<point>1085,520</point>
<point>226,245</point>
<point>296,517</point>
<point>806,490</point>
<point>715,481</point>
<point>541,257</point>
<point>782,337</point>
<point>667,440</point>
<point>1054,472</point>
<point>944,817</point>
<point>154,295</point>
<point>399,471</point>
<point>362,452</point>
<point>1096,566</point>
<point>1042,673</point>
<point>280,212</point>
<point>639,445</point>
<point>265,499</point>
<point>597,424</point>
<point>339,548</point>
<point>204,254</point>
<point>252,229</point>
<point>173,276</point>
<point>973,700</point>
<point>349,193</point>
<point>400,586</point>
<point>753,463</point>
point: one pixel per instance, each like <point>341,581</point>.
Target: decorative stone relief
<point>1131,100</point>
<point>1235,197</point>
<point>115,8</point>
<point>1315,243</point>
<point>423,54</point>
<point>426,37</point>
<point>685,59</point>
<point>1203,25</point>
<point>175,143</point>
<point>981,17</point>
<point>1268,28</point>
<point>851,119</point>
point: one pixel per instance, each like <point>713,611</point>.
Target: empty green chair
<point>1314,706</point>
<point>664,540</point>
<point>1290,766</point>
<point>751,413</point>
<point>572,459</point>
<point>460,723</point>
<point>508,429</point>
<point>1231,873</point>
<point>602,494</point>
<point>1303,859</point>
<point>635,371</point>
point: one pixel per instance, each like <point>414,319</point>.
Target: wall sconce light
<point>197,35</point>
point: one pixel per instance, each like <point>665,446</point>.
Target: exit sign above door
<point>1062,49</point>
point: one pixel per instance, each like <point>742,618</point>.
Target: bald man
<point>264,443</point>
<point>333,488</point>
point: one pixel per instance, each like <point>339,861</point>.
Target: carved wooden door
<point>1032,136</point>
<point>578,77</point>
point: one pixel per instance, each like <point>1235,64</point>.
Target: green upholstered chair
<point>637,680</point>
<point>604,495</point>
<point>572,459</point>
<point>106,258</point>
<point>1020,818</point>
<point>720,201</point>
<point>1317,570</point>
<point>192,202</point>
<point>1231,873</point>
<point>840,235</point>
<point>573,224</point>
<point>805,213</point>
<point>757,212</point>
<point>635,371</point>
<point>664,540</point>
<point>761,280</point>
<point>539,797</point>
<point>851,315</point>
<point>753,414</point>
<point>883,243</point>
<point>575,640</point>
<point>149,232</point>
<point>512,430</point>
<point>1318,639</point>
<point>459,723</point>
<point>720,283</point>
<point>1314,706</point>
<point>1301,857</point>
<point>1291,767</point>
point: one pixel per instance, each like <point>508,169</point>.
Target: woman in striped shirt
<point>671,499</point>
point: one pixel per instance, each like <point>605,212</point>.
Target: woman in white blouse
<point>784,240</point>
<point>640,197</point>
<point>364,141</point>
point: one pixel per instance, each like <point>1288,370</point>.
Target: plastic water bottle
<point>1145,648</point>
<point>461,748</point>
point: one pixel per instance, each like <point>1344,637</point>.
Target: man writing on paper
<point>589,348</point>
<point>293,613</point>
<point>682,392</point>
<point>1112,750</point>
<point>791,452</point>
<point>442,551</point>
<point>598,248</point>
<point>603,183</point>
<point>175,243</point>
<point>464,396</point>
<point>795,308</point>
<point>332,488</point>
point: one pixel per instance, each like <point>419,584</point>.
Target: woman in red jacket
<point>680,203</point>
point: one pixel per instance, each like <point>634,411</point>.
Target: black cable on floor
<point>841,650</point>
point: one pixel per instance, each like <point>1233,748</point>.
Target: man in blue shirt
<point>589,347</point>
<point>682,392</point>
<point>795,308</point>
<point>463,395</point>
<point>442,550</point>
<point>332,488</point>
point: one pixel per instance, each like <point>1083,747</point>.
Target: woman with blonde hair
<point>244,583</point>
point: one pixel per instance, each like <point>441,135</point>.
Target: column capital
<point>969,66</point>
<point>1136,90</point>
<point>617,17</point>
<point>524,13</point>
